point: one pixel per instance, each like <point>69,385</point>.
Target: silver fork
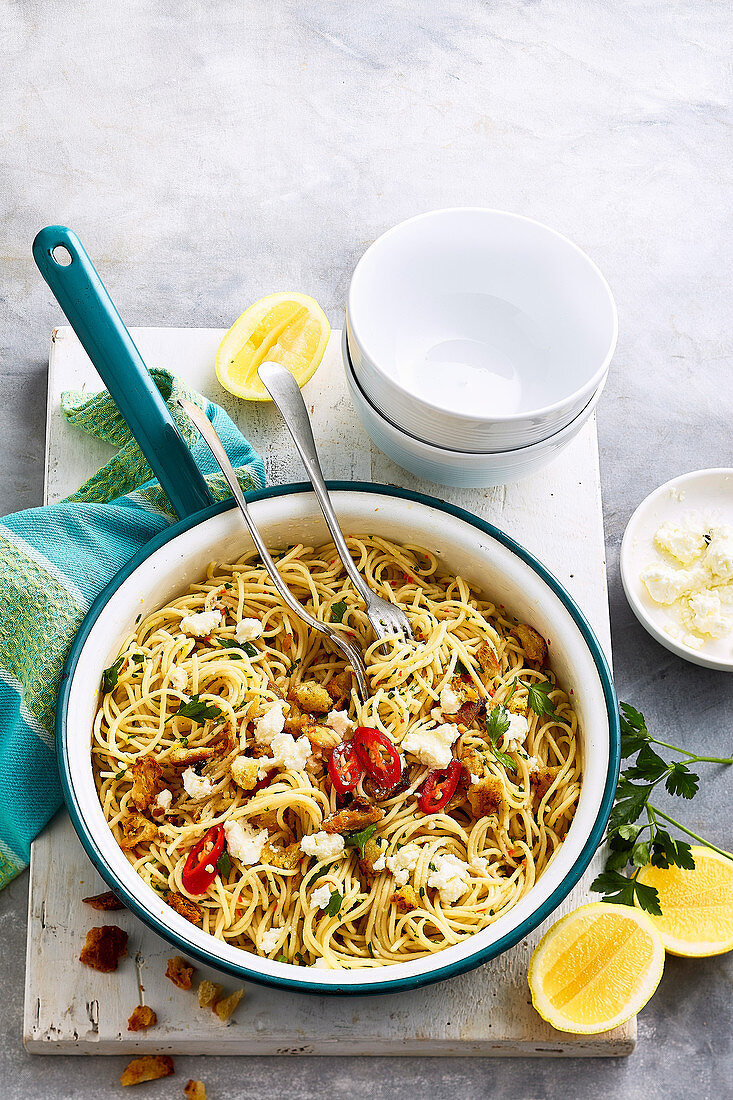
<point>388,620</point>
<point>350,651</point>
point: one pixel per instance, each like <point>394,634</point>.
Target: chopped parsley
<point>334,904</point>
<point>497,724</point>
<point>338,610</point>
<point>281,959</point>
<point>138,658</point>
<point>224,864</point>
<point>111,675</point>
<point>230,643</point>
<point>360,840</point>
<point>538,698</point>
<point>460,669</point>
<point>196,710</point>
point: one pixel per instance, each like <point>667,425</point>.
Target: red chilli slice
<point>196,877</point>
<point>439,787</point>
<point>344,767</point>
<point>378,756</point>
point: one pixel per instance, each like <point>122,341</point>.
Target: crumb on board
<point>148,1068</point>
<point>142,1018</point>
<point>106,902</point>
<point>209,993</point>
<point>195,1090</point>
<point>226,1007</point>
<point>104,947</point>
<point>180,972</point>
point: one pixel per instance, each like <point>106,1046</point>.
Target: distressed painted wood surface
<point>71,1009</point>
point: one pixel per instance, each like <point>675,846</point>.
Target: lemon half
<point>596,968</point>
<point>286,328</point>
<point>697,906</point>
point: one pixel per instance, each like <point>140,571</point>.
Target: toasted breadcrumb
<point>533,644</point>
<point>312,697</point>
<point>356,816</point>
<point>488,660</point>
<point>186,908</point>
<point>195,1090</point>
<point>226,1007</point>
<point>142,1018</point>
<point>146,774</point>
<point>406,898</point>
<point>148,1068</point>
<point>105,903</point>
<point>209,993</point>
<point>487,796</point>
<point>136,829</point>
<point>180,972</point>
<point>104,947</point>
<point>184,756</point>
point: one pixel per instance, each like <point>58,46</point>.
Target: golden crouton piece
<point>356,816</point>
<point>186,908</point>
<point>226,1007</point>
<point>182,756</point>
<point>180,972</point>
<point>311,697</point>
<point>209,993</point>
<point>320,737</point>
<point>406,899</point>
<point>541,781</point>
<point>487,796</point>
<point>533,644</point>
<point>136,829</point>
<point>103,948</point>
<point>473,760</point>
<point>148,1068</point>
<point>287,859</point>
<point>339,688</point>
<point>104,902</point>
<point>245,771</point>
<point>294,720</point>
<point>142,1018</point>
<point>487,658</point>
<point>266,820</point>
<point>195,1090</point>
<point>225,742</point>
<point>515,705</point>
<point>372,851</point>
<point>146,774</point>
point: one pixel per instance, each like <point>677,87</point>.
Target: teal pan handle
<point>80,292</point>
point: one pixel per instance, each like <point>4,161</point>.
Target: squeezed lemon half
<point>286,328</point>
<point>697,906</point>
<point>596,968</point>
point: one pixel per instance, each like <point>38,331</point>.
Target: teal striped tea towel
<point>53,563</point>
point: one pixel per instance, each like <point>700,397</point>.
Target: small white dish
<point>707,493</point>
<point>479,330</point>
<point>460,469</point>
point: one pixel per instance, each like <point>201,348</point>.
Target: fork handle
<point>285,392</point>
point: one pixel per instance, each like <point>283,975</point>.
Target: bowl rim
<point>506,418</point>
<point>693,656</point>
<point>449,453</point>
<point>249,972</point>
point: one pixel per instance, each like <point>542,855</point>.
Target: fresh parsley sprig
<point>111,675</point>
<point>338,610</point>
<point>497,724</point>
<point>538,698</point>
<point>361,839</point>
<point>196,710</point>
<point>634,843</point>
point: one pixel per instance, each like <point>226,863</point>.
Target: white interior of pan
<point>284,520</point>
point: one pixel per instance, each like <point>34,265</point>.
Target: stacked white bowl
<point>476,345</point>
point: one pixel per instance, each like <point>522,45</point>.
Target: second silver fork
<point>388,620</point>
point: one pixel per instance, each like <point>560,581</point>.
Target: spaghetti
<point>451,789</point>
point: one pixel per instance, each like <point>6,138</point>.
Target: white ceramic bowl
<point>460,469</point>
<point>479,330</point>
<point>707,493</point>
<point>485,557</point>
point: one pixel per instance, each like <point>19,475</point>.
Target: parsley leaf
<point>224,863</point>
<point>537,698</point>
<point>281,959</point>
<point>649,765</point>
<point>667,852</point>
<point>359,840</point>
<point>138,658</point>
<point>630,801</point>
<point>230,643</point>
<point>497,724</point>
<point>338,610</point>
<point>634,733</point>
<point>627,891</point>
<point>196,711</point>
<point>110,675</point>
<point>334,904</point>
<point>460,669</point>
<point>682,781</point>
<point>314,877</point>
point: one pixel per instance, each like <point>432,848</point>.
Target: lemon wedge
<point>697,906</point>
<point>596,968</point>
<point>286,328</point>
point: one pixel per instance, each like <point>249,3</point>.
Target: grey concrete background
<point>208,153</point>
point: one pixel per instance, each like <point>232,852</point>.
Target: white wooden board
<point>71,1009</point>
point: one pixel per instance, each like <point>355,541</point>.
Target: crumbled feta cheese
<point>403,862</point>
<point>518,730</point>
<point>288,754</point>
<point>432,746</point>
<point>248,629</point>
<point>683,542</point>
<point>381,863</point>
<point>163,800</point>
<point>271,722</point>
<point>450,877</point>
<point>178,678</point>
<point>475,779</point>
<point>719,558</point>
<point>707,614</point>
<point>322,845</point>
<point>209,868</point>
<point>665,584</point>
<point>269,940</point>
<point>321,897</point>
<point>243,843</point>
<point>479,865</point>
<point>533,765</point>
<point>201,623</point>
<point>245,771</point>
<point>196,786</point>
<point>340,723</point>
<point>450,702</point>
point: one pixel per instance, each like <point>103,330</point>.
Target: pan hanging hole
<point>61,255</point>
